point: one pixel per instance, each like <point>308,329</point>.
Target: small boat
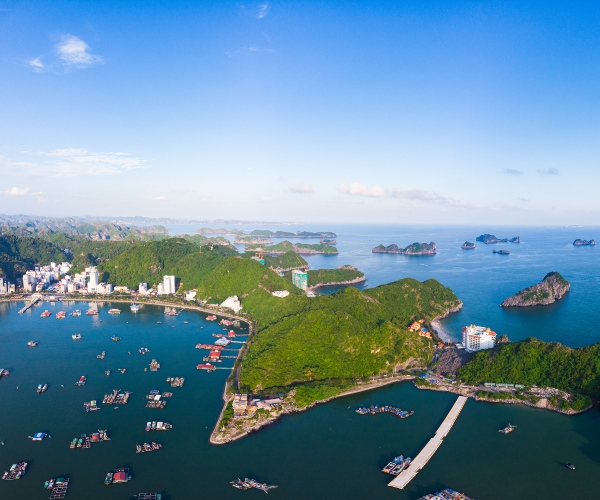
<point>45,314</point>
<point>114,338</point>
<point>509,428</point>
<point>81,381</point>
<point>39,389</point>
<point>212,317</point>
<point>76,312</point>
<point>107,372</point>
<point>135,307</point>
<point>114,311</point>
<point>32,343</point>
<point>159,322</point>
<point>76,336</point>
<point>185,322</point>
<point>570,465</point>
<point>44,387</point>
<point>143,350</point>
<point>61,315</point>
<point>122,370</point>
<point>91,312</point>
<point>101,356</point>
<point>108,479</point>
<point>38,436</point>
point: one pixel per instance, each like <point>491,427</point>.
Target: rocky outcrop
<point>490,238</point>
<point>468,245</point>
<point>414,249</point>
<point>552,288</point>
<point>581,243</point>
<point>450,360</point>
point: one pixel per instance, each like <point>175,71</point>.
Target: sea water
<point>326,452</point>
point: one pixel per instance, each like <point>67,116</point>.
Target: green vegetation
<point>307,394</point>
<point>227,415</point>
<point>287,260</point>
<point>498,396</point>
<point>150,261</point>
<point>201,240</point>
<point>325,276</point>
<point>319,248</point>
<point>533,362</point>
<point>286,246</point>
<point>19,254</point>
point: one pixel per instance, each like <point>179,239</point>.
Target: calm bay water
<point>329,451</point>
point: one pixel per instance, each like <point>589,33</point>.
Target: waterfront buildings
<point>232,303</point>
<point>476,338</point>
<point>300,278</point>
<point>93,279</point>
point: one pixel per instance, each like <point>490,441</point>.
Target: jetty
<point>431,447</point>
<point>35,298</point>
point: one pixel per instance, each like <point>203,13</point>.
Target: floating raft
<point>397,465</point>
<point>374,409</point>
<point>59,489</point>
<point>158,426</point>
<point>246,484</point>
<point>116,398</point>
<point>147,447</point>
<point>446,494</point>
<point>176,381</point>
<point>16,471</point>
<point>149,496</point>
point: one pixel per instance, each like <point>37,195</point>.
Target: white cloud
<point>358,189</point>
<point>263,10</point>
<point>161,198</point>
<point>37,65</point>
<point>428,197</point>
<point>301,187</point>
<point>245,51</point>
<point>17,191</point>
<point>73,52</point>
<point>72,162</point>
<point>549,171</point>
<point>512,171</point>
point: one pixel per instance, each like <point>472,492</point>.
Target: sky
<point>435,112</point>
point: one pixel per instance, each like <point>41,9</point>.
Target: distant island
<point>552,288</point>
<point>502,252</point>
<point>344,275</point>
<point>252,240</point>
<point>581,243</point>
<point>490,238</point>
<point>299,234</point>
<point>467,245</point>
<point>299,248</point>
<point>414,249</point>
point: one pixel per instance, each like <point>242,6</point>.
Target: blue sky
<point>424,112</point>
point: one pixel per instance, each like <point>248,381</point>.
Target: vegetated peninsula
<point>581,243</point>
<point>552,288</point>
<point>344,275</point>
<point>414,249</point>
<point>490,238</point>
<point>531,363</point>
<point>299,248</point>
<point>220,231</point>
<point>287,234</point>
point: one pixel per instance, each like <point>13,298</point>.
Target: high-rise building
<point>300,279</point>
<point>476,338</point>
<point>93,283</point>
<point>169,285</point>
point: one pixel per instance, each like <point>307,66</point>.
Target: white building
<point>93,283</point>
<point>169,285</point>
<point>476,338</point>
<point>232,303</point>
<point>160,289</point>
<point>191,295</point>
<point>143,288</point>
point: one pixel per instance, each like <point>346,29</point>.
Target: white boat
<point>135,307</point>
<point>76,336</point>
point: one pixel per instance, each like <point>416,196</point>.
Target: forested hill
<point>149,262</point>
<point>533,362</point>
<point>19,254</point>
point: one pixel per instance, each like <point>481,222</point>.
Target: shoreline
<point>440,331</point>
<point>214,438</point>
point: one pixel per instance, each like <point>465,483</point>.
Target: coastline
<point>441,332</point>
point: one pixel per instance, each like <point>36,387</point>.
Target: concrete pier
<point>431,447</point>
<point>34,300</point>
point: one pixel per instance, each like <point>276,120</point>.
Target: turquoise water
<point>329,451</point>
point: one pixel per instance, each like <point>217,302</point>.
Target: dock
<point>34,300</point>
<point>407,475</point>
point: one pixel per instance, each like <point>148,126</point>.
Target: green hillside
<point>288,260</point>
<point>325,276</point>
<point>19,254</point>
<point>533,362</point>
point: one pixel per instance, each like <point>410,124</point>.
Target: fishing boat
<point>401,466</point>
<point>570,465</point>
<point>44,387</point>
<point>122,370</point>
<point>91,312</point>
<point>114,338</point>
<point>508,429</point>
<point>49,484</point>
<point>225,322</point>
<point>212,317</point>
<point>185,322</point>
<point>107,373</point>
<point>81,381</point>
<point>134,307</point>
<point>76,336</point>
<point>76,312</point>
<point>101,356</point>
<point>149,496</point>
<point>253,483</point>
<point>61,315</point>
<point>143,350</point>
<point>390,466</point>
<point>39,389</point>
<point>46,314</point>
<point>109,478</point>
<point>114,311</point>
<point>32,343</point>
<point>38,436</point>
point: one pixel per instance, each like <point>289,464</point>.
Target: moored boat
<point>32,343</point>
<point>46,314</point>
<point>76,336</point>
<point>61,315</point>
<point>508,429</point>
<point>114,338</point>
<point>91,312</point>
<point>114,311</point>
<point>134,307</point>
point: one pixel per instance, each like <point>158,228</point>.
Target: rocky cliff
<point>580,243</point>
<point>490,238</point>
<point>552,288</point>
<point>414,249</point>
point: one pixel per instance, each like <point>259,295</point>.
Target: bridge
<point>407,475</point>
<point>35,298</point>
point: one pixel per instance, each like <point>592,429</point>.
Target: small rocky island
<point>414,249</point>
<point>468,245</point>
<point>581,243</point>
<point>490,238</point>
<point>552,288</point>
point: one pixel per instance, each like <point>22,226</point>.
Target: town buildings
<point>300,278</point>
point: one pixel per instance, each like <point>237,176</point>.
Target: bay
<point>326,452</point>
